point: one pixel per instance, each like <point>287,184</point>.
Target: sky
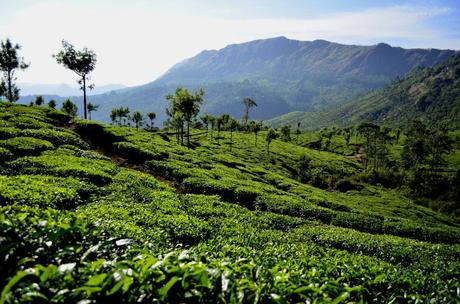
<point>137,41</point>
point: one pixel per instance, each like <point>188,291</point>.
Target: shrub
<point>5,155</point>
<point>26,145</point>
<point>136,153</point>
<point>44,191</point>
<point>8,132</point>
<point>347,184</point>
<point>55,137</point>
<point>96,171</point>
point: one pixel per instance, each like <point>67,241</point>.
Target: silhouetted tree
<point>248,104</point>
<point>92,108</point>
<point>151,116</point>
<point>10,61</point>
<point>138,119</point>
<point>286,133</point>
<point>113,115</point>
<point>52,104</point>
<point>269,137</point>
<point>39,100</point>
<point>370,132</point>
<point>69,107</point>
<point>416,147</point>
<point>232,124</point>
<point>81,62</point>
<point>255,127</point>
<point>184,106</point>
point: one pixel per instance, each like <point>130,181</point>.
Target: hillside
<point>95,212</point>
<point>282,75</point>
<point>431,94</point>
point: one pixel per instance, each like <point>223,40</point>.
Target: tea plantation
<point>95,213</point>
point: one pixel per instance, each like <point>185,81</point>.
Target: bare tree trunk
<point>84,96</point>
<point>10,87</point>
<point>188,134</point>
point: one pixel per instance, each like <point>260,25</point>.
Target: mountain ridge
<point>431,94</point>
<point>281,74</point>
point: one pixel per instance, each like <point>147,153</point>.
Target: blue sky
<point>137,41</point>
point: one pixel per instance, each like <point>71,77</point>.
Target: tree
<point>416,147</point>
<point>52,104</point>
<point>207,120</point>
<point>69,107</point>
<point>269,137</point>
<point>82,62</point>
<point>120,114</point>
<point>255,127</point>
<point>346,133</point>
<point>39,100</point>
<point>10,61</point>
<point>91,108</point>
<point>248,104</point>
<point>113,115</point>
<point>286,133</point>
<point>137,118</point>
<point>440,145</point>
<point>298,132</point>
<point>232,124</point>
<point>370,132</point>
<point>151,116</point>
<point>184,107</point>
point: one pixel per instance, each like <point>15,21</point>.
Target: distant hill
<point>431,94</point>
<point>64,89</point>
<point>282,75</point>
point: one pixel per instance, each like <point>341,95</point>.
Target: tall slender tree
<point>10,62</point>
<point>232,124</point>
<point>269,137</point>
<point>248,104</point>
<point>82,62</point>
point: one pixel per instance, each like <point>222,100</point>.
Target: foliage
<point>10,62</point>
<point>69,107</point>
<point>82,62</point>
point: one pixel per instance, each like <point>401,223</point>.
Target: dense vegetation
<point>431,94</point>
<point>104,213</point>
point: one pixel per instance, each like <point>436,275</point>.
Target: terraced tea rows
<point>111,214</point>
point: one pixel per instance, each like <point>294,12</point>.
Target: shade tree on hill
<point>91,108</point>
<point>183,109</point>
<point>151,116</point>
<point>248,104</point>
<point>269,138</point>
<point>119,115</point>
<point>286,133</point>
<point>10,62</point>
<point>82,62</point>
<point>69,107</point>
<point>255,127</point>
<point>39,100</point>
<point>52,104</point>
<point>137,118</point>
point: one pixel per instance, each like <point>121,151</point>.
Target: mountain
<point>64,89</point>
<point>280,74</point>
<point>431,94</point>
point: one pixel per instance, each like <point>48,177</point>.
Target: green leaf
<point>163,291</point>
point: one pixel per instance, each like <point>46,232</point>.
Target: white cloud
<point>136,44</point>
